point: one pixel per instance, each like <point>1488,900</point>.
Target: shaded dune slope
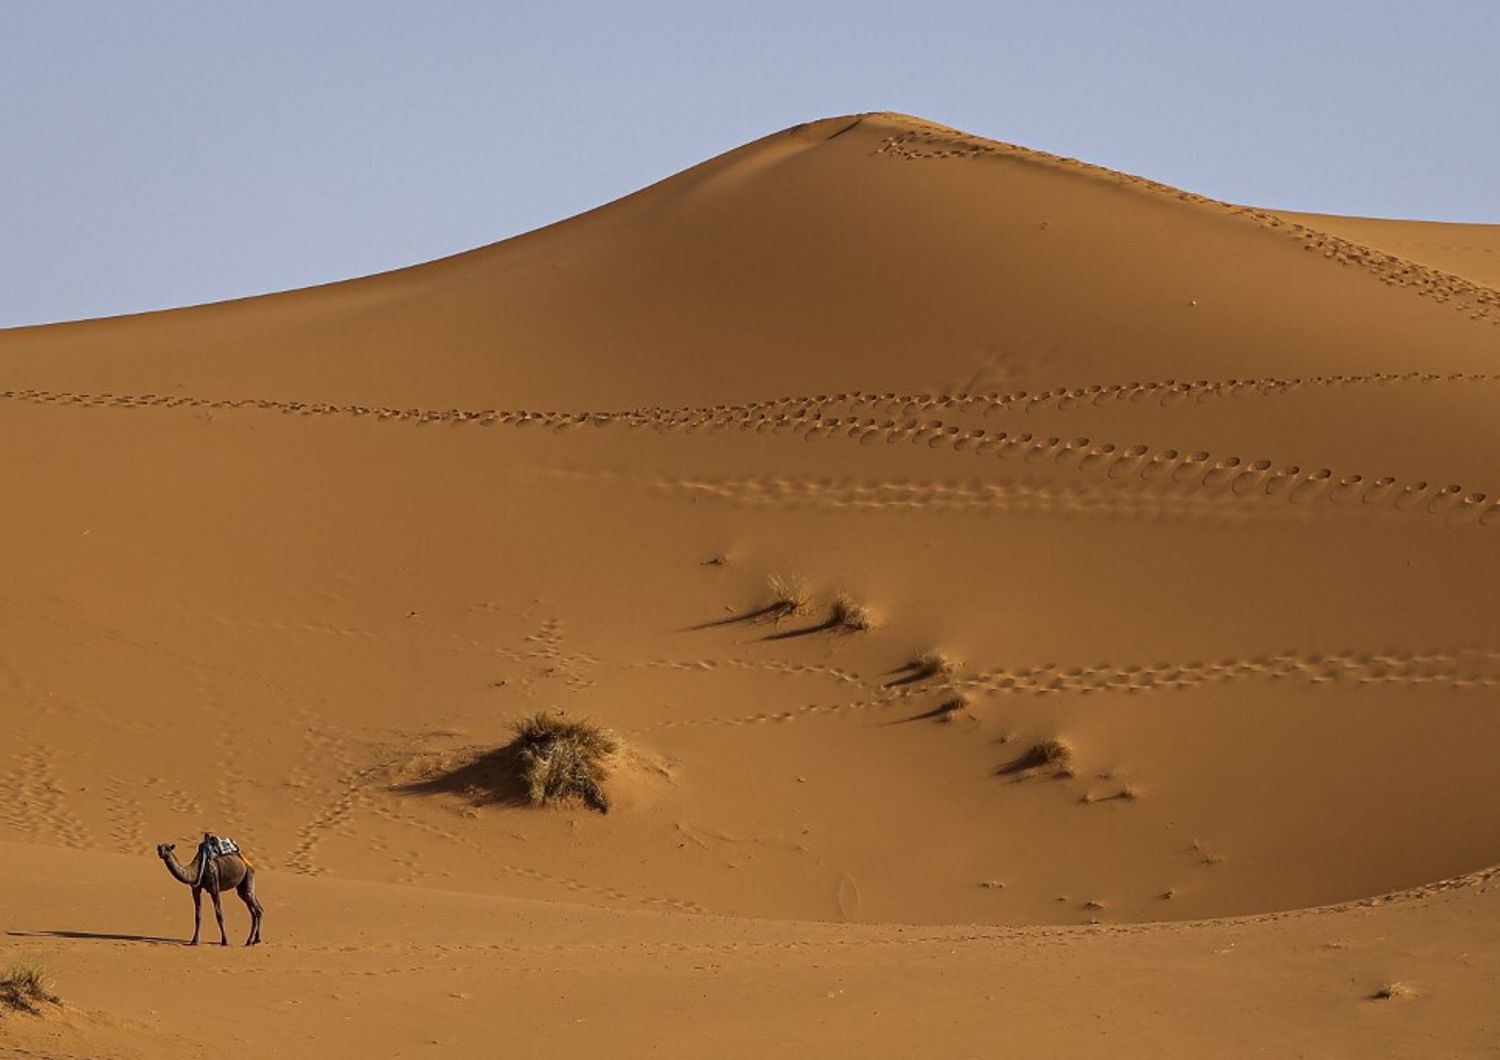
<point>1201,491</point>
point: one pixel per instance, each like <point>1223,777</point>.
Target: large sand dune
<point>1204,492</point>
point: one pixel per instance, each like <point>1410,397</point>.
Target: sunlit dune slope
<point>1202,492</point>
<point>1467,250</point>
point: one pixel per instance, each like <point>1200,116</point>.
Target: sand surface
<point>1205,492</point>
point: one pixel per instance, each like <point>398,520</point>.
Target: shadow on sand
<point>98,936</point>
<point>944,711</point>
<point>757,614</point>
<point>804,631</point>
<point>491,778</point>
<point>917,670</point>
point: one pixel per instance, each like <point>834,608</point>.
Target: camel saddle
<point>213,847</point>
<point>219,845</point>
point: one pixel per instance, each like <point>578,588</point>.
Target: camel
<point>224,872</point>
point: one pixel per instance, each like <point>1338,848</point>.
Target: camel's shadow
<point>98,936</point>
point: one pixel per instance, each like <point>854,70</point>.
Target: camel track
<point>1184,470</point>
<point>976,497</point>
<point>1459,669</point>
<point>36,803</point>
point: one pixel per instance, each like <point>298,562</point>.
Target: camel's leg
<point>219,914</point>
<point>246,891</point>
<point>197,914</point>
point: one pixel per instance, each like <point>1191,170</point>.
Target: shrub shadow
<point>488,778</point>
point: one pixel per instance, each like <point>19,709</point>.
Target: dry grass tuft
<point>952,710</point>
<point>561,759</point>
<point>789,596</point>
<point>25,988</point>
<point>934,664</point>
<point>1052,756</point>
<point>923,667</point>
<point>1393,992</point>
<point>850,616</point>
<point>1047,753</point>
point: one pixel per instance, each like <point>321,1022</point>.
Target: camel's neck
<point>188,876</point>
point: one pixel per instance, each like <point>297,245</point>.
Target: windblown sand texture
<point>1174,730</point>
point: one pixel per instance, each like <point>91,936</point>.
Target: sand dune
<point>1201,491</point>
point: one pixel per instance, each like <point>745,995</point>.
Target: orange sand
<point>1207,492</point>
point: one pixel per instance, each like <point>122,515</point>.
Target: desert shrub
<point>951,709</point>
<point>789,596</point>
<point>934,664</point>
<point>849,616</point>
<point>1052,755</point>
<point>560,759</point>
<point>25,988</point>
<point>924,667</point>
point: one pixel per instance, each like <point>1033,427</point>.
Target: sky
<point>159,154</point>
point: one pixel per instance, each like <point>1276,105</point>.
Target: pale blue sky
<point>156,154</point>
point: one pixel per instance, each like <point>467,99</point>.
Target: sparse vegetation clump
<point>25,988</point>
<point>849,615</point>
<point>951,710</point>
<point>1050,753</point>
<point>789,596</point>
<point>561,759</point>
<point>1394,992</point>
<point>933,664</point>
<point>1049,756</point>
<point>928,665</point>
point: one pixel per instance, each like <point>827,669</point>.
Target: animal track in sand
<point>766,665</point>
<point>1184,471</point>
<point>332,818</point>
<point>544,646</point>
<point>974,496</point>
<point>1462,668</point>
<point>122,809</point>
<point>923,141</point>
<point>33,802</point>
<point>806,710</point>
<point>1164,392</point>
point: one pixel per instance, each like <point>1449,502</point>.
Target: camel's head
<point>164,849</point>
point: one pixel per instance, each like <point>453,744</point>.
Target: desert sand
<point>1201,495</point>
